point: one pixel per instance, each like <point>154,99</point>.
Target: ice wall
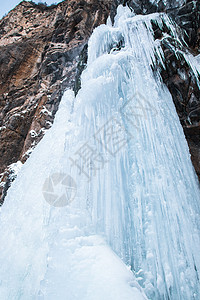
<point>107,206</point>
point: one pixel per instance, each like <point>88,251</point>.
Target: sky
<point>7,5</point>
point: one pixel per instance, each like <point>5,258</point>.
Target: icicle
<point>112,174</point>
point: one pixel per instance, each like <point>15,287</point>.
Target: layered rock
<point>39,53</point>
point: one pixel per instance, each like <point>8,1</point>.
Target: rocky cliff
<point>43,51</point>
<point>39,53</point>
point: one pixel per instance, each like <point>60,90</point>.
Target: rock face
<point>39,53</point>
<point>43,51</point>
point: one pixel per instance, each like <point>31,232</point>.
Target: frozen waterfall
<point>108,205</point>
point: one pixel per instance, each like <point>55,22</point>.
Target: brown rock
<point>39,52</point>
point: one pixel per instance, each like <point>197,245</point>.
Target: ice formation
<point>107,206</point>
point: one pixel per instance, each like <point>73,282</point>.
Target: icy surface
<point>169,3</point>
<point>54,253</point>
<point>194,64</point>
<point>129,224</point>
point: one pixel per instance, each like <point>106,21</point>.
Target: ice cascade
<point>107,206</point>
